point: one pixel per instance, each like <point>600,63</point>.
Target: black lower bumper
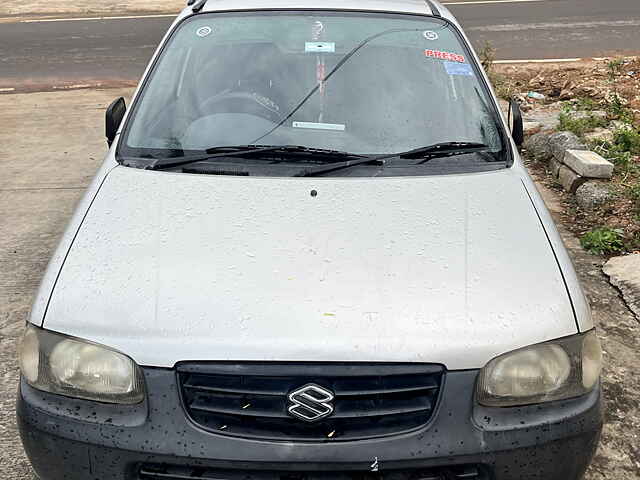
<point>79,440</point>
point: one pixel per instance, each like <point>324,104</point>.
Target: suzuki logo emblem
<point>311,403</point>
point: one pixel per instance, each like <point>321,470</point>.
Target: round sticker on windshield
<point>429,35</point>
<point>204,32</point>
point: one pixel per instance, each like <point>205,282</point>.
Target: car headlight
<point>76,368</point>
<point>556,370</point>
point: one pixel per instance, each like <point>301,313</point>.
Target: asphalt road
<point>44,55</point>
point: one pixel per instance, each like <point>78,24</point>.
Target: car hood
<point>453,269</point>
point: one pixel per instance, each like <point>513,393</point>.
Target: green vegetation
<point>621,151</point>
<point>603,240</point>
<point>586,104</point>
<point>616,105</point>
<point>634,194</point>
<point>487,56</point>
<point>581,125</point>
<point>620,144</point>
<point>628,139</point>
<point>613,152</point>
<point>616,109</point>
<point>503,87</point>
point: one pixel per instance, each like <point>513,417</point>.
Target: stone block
<point>560,142</point>
<point>554,166</point>
<point>569,179</point>
<point>538,146</point>
<point>592,194</point>
<point>588,164</point>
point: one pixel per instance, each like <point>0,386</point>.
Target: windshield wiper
<point>444,149</point>
<point>246,150</point>
<point>211,153</point>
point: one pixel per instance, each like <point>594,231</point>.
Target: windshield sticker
<point>454,68</point>
<point>204,32</point>
<point>320,47</point>
<point>320,126</point>
<point>453,57</point>
<point>429,35</point>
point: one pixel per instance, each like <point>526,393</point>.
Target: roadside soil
<point>566,81</point>
<point>51,161</point>
<point>34,8</point>
<point>618,457</point>
<point>587,88</point>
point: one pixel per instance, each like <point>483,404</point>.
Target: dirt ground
<point>583,79</point>
<point>26,8</point>
<point>604,95</point>
<point>618,457</point>
<point>48,161</point>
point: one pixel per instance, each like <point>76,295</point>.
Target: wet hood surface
<point>450,269</point>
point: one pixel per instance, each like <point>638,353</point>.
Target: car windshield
<point>357,83</point>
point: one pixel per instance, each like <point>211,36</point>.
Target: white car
<point>312,252</point>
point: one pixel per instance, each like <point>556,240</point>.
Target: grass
<point>628,140</point>
<point>603,240</point>
<point>620,151</point>
<point>580,126</point>
<point>586,104</point>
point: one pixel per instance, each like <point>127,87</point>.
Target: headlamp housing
<point>558,370</point>
<point>77,368</point>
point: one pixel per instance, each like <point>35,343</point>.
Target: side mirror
<point>115,114</point>
<point>515,122</point>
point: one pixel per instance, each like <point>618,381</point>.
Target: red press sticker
<point>452,57</point>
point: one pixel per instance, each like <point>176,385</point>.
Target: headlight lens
<point>68,366</point>
<point>557,370</point>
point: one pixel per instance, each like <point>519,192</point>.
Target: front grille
<point>251,399</point>
<point>461,472</point>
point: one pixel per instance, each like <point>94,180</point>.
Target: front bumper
<point>76,440</point>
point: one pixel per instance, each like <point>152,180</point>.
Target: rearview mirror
<point>115,114</point>
<point>516,123</point>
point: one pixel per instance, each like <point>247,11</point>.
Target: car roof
<point>421,7</point>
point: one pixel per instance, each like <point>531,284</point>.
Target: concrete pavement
<point>52,145</point>
<point>62,54</point>
<point>624,273</point>
<point>31,8</point>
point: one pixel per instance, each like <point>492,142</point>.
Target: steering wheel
<point>243,102</point>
